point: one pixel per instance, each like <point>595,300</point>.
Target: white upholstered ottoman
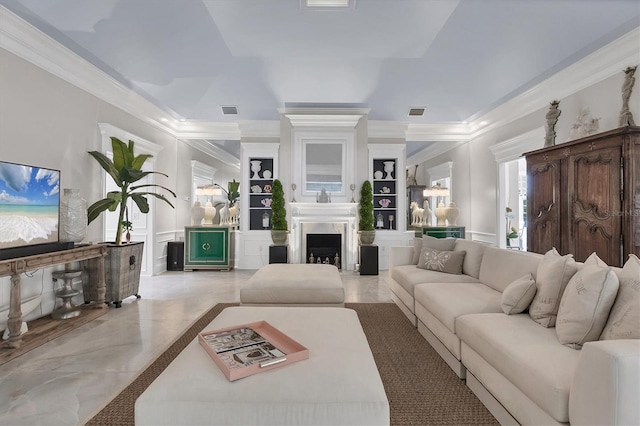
<point>338,385</point>
<point>291,284</point>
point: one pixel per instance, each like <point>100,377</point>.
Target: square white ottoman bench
<point>338,385</point>
<point>290,284</point>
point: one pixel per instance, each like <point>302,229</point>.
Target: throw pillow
<point>585,305</point>
<point>624,318</point>
<point>594,260</point>
<point>435,243</point>
<point>518,295</point>
<point>449,262</point>
<point>552,276</point>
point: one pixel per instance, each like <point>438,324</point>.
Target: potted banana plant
<point>123,261</point>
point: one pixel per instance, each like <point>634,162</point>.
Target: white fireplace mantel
<point>342,215</point>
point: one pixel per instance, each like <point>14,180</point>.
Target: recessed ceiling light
<point>229,110</point>
<point>327,3</point>
<point>416,111</point>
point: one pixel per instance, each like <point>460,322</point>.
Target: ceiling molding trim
<point>22,39</point>
<point>433,151</point>
<point>600,65</point>
<point>387,129</point>
<point>324,120</point>
<point>208,130</point>
<point>259,128</point>
<point>438,132</point>
<point>512,149</point>
<point>214,151</point>
<point>141,146</point>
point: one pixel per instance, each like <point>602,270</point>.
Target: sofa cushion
<point>518,295</point>
<point>624,318</point>
<point>449,262</point>
<point>448,301</point>
<point>585,305</point>
<point>500,266</point>
<point>553,275</point>
<point>527,355</point>
<point>473,258</point>
<point>408,276</point>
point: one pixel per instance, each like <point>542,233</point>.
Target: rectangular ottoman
<point>338,385</point>
<point>294,285</point>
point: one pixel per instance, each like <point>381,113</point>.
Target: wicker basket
<point>122,267</point>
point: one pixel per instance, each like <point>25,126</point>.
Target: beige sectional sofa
<point>516,367</point>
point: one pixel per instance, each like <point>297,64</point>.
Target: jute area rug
<point>420,387</point>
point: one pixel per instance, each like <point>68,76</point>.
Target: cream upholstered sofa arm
<point>606,384</point>
<point>400,255</point>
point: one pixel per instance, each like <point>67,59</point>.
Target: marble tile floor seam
<point>68,380</point>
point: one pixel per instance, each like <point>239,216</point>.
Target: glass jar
<point>73,216</point>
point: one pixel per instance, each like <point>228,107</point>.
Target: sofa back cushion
<point>585,305</point>
<point>624,318</point>
<point>552,277</point>
<point>501,266</point>
<point>473,258</point>
<point>442,244</point>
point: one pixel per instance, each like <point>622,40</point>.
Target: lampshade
<point>208,190</point>
<point>436,191</point>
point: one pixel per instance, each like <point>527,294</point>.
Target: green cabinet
<point>208,247</point>
<point>444,231</point>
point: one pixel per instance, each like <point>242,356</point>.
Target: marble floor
<point>68,380</point>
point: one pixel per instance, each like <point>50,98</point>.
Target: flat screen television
<point>29,210</point>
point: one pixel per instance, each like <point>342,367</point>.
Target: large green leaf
<point>121,155</point>
<point>98,207</point>
<point>151,185</point>
<point>139,161</point>
<point>141,202</point>
<point>107,165</point>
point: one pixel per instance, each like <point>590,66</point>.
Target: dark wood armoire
<point>583,196</point>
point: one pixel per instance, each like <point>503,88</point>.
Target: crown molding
<point>144,146</point>
<point>444,132</point>
<point>433,151</point>
<point>207,130</point>
<point>513,148</point>
<point>259,128</point>
<point>22,39</point>
<point>214,151</point>
<point>324,120</point>
<point>599,65</point>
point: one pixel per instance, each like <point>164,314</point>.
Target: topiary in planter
<point>365,224</point>
<point>278,214</point>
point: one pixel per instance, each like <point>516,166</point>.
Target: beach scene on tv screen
<point>29,202</point>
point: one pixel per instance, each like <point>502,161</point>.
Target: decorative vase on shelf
<point>452,212</point>
<point>197,213</point>
<point>255,168</point>
<point>266,174</point>
<point>377,174</point>
<point>73,216</point>
<point>388,168</point>
<point>441,214</point>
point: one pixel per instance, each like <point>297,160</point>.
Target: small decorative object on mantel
<point>353,194</point>
<point>626,118</point>
<point>323,197</point>
<point>293,192</point>
<point>552,119</point>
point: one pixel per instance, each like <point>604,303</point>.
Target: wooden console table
<point>17,266</point>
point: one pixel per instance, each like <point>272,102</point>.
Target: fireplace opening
<point>325,248</point>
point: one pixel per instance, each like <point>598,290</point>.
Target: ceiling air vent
<point>230,110</point>
<point>416,112</point>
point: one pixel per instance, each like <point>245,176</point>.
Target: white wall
<point>47,122</point>
<point>475,171</point>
